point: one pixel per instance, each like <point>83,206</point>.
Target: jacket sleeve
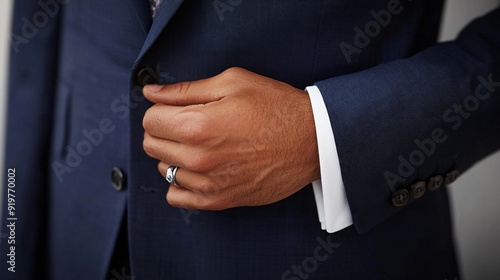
<point>409,126</point>
<point>32,73</point>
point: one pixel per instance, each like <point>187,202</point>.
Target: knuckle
<point>146,121</point>
<point>192,132</point>
<point>233,72</point>
<point>183,87</point>
<point>160,170</point>
<point>149,120</point>
<point>213,188</point>
<point>197,163</point>
<point>208,187</point>
<point>213,204</point>
<point>170,197</point>
<point>234,79</point>
<point>220,183</point>
<point>148,145</point>
<point>197,130</point>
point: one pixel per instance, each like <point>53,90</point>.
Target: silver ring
<point>170,176</point>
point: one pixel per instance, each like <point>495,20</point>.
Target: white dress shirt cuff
<point>331,201</point>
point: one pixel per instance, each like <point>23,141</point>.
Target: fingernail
<point>154,88</point>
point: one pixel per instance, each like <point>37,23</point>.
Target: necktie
<point>154,6</point>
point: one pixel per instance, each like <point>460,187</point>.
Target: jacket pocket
<point>62,119</point>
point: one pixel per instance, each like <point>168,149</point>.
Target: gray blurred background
<point>474,196</point>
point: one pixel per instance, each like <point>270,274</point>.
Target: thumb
<point>184,93</point>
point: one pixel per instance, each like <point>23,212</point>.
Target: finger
<point>184,93</point>
<point>193,124</point>
<point>168,122</point>
<point>178,154</point>
<point>160,120</point>
<point>161,149</point>
<point>195,182</point>
<point>197,92</point>
<point>184,198</point>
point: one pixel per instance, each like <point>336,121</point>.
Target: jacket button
<point>147,75</point>
<point>435,182</point>
<point>117,179</point>
<point>451,177</point>
<point>418,189</point>
<point>400,197</point>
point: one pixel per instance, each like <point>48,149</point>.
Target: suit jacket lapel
<point>142,13</point>
<point>166,11</point>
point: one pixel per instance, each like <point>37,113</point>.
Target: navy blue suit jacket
<point>403,109</point>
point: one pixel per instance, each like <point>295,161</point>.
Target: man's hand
<point>239,139</point>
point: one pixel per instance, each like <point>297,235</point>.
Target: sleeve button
<point>418,189</point>
<point>400,197</point>
<point>452,176</point>
<point>435,182</point>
